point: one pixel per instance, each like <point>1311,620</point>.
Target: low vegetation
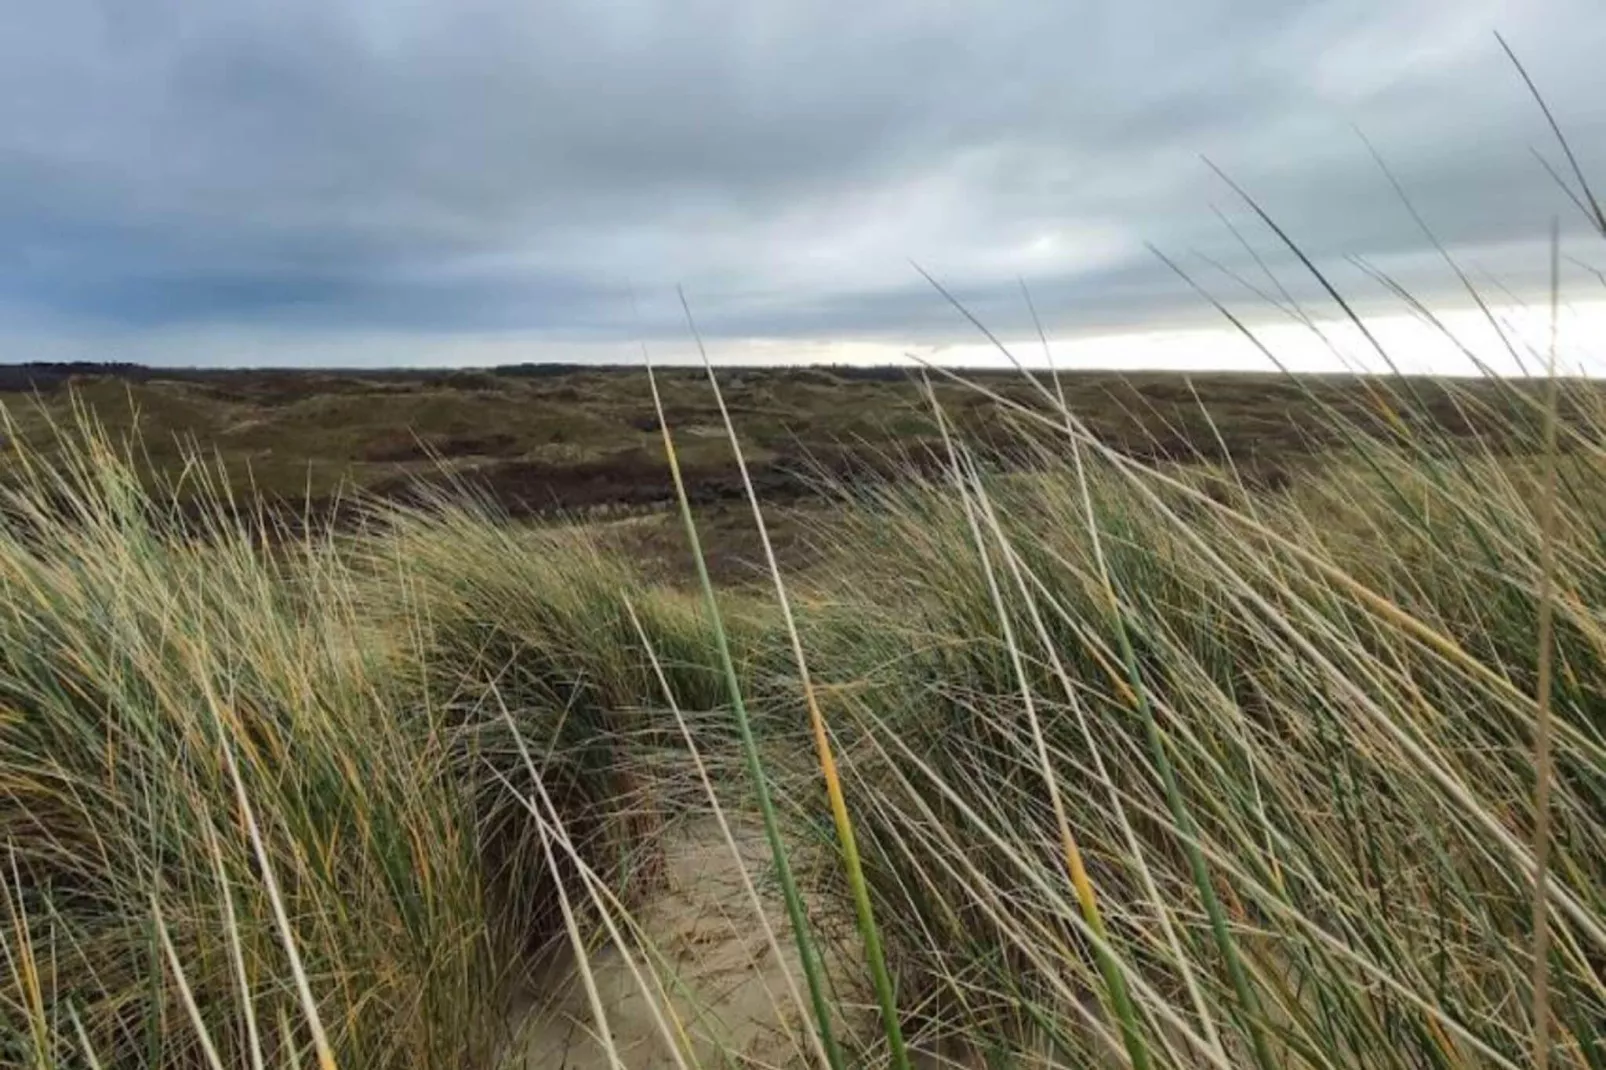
<point>1145,760</point>
<point>548,440</point>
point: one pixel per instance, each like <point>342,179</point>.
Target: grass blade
<point>862,906</point>
<point>808,951</point>
<point>1542,757</point>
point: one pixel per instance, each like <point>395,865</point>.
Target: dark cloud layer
<point>473,166</point>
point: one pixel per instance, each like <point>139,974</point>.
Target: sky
<point>385,182</point>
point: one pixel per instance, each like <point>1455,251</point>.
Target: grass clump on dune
<point>150,681</point>
<point>524,641</point>
<point>1316,709</point>
<point>240,826</point>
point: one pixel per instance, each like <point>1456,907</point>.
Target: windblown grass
<point>1068,711</point>
<point>529,640</point>
<point>244,822</point>
<point>1342,688</point>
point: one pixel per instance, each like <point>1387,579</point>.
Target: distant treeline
<point>859,372</point>
<point>44,375</point>
<point>49,375</point>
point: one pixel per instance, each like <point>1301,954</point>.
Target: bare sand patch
<point>726,984</point>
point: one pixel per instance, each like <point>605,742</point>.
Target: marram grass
<point>1142,766</point>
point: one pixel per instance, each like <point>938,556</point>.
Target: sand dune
<point>727,985</point>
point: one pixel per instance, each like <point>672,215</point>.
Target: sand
<point>727,983</point>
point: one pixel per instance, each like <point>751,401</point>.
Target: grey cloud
<point>479,165</point>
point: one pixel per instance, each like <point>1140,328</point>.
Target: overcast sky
<point>448,181</point>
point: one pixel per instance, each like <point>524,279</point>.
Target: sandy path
<point>727,984</point>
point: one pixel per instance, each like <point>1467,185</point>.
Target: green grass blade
<point>808,951</point>
<point>886,997</point>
